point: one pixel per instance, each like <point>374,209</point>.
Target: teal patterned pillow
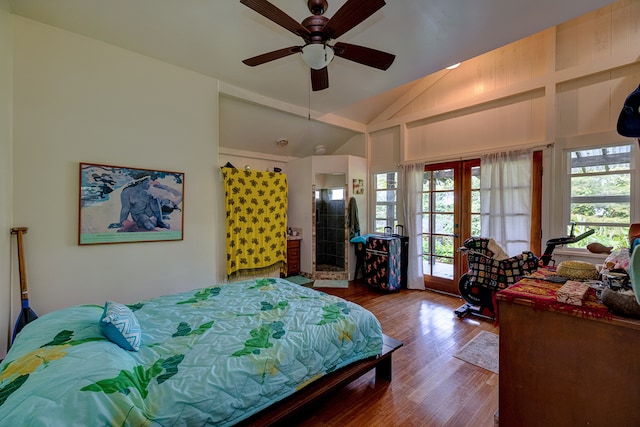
<point>120,325</point>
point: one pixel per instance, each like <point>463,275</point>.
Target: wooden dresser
<point>293,257</point>
<point>561,366</point>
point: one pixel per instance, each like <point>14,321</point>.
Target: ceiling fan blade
<point>319,79</point>
<point>349,15</point>
<point>270,56</point>
<point>364,55</point>
<point>271,12</point>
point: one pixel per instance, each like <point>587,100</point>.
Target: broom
<point>26,314</point>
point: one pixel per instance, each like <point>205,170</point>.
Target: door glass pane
<point>443,267</point>
<point>475,201</point>
<point>475,178</point>
<point>426,206</point>
<point>444,201</point>
<point>426,181</point>
<point>443,246</point>
<point>475,225</point>
<point>444,223</point>
<point>426,224</point>
<point>425,244</point>
<point>443,179</point>
<point>426,265</point>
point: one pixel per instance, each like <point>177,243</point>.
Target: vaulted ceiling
<point>268,102</point>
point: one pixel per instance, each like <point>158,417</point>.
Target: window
<point>337,194</point>
<point>386,200</point>
<point>600,182</point>
<point>333,193</point>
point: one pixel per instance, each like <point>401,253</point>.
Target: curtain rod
<point>476,154</point>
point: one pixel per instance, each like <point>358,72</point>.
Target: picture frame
<point>124,204</point>
<point>358,186</point>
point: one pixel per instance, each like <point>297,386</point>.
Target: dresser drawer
<point>293,257</point>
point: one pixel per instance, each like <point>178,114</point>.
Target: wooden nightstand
<point>293,257</point>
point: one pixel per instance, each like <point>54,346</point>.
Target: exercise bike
<point>571,238</point>
<point>487,275</point>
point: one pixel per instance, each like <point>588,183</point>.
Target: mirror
<point>330,225</point>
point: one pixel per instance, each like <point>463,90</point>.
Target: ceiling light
<point>317,55</point>
<point>282,143</point>
<point>320,149</point>
<point>453,67</point>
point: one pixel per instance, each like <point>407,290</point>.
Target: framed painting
<point>358,186</point>
<point>121,205</point>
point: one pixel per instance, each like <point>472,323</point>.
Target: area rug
<point>481,351</point>
<point>331,284</point>
<point>299,280</point>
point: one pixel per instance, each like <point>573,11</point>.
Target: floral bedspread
<point>212,356</point>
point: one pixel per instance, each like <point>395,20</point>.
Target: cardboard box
<point>572,292</point>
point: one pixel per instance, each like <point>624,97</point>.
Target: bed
<point>214,356</point>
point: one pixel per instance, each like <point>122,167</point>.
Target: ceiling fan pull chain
<point>309,101</point>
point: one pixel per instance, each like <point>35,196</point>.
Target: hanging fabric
<point>413,176</point>
<point>256,221</point>
<point>505,199</point>
<point>353,221</point>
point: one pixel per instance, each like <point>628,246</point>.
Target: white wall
<point>355,146</point>
<point>6,99</point>
<point>300,180</point>
<point>80,100</point>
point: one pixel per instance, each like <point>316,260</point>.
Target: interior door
<point>450,206</point>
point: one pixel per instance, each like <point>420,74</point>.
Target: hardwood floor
<point>430,387</point>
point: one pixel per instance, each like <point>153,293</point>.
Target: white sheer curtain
<point>505,199</point>
<point>412,176</point>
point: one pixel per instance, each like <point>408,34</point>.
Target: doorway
<point>450,214</point>
<point>330,227</point>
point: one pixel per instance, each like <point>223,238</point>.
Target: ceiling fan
<point>316,31</point>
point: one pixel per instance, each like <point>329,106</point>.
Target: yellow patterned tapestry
<point>256,223</point>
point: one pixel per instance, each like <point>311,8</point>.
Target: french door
<point>450,215</point>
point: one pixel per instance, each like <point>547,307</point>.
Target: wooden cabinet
<point>559,368</point>
<point>293,257</point>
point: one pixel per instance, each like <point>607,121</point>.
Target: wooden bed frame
<point>280,412</point>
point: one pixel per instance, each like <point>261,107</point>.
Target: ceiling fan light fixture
<point>317,55</point>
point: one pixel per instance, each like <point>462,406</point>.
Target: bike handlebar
<point>552,243</point>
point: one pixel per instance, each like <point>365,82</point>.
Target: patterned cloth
<point>489,272</point>
<point>542,294</point>
<point>256,220</point>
